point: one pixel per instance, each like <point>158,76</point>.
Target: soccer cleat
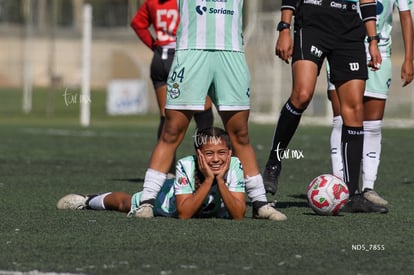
<point>359,204</point>
<point>270,178</point>
<point>72,201</point>
<point>268,212</point>
<point>373,197</point>
<point>145,211</point>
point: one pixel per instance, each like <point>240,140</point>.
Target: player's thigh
<point>350,94</point>
<point>304,81</point>
<point>374,108</point>
<point>235,122</point>
<point>175,125</point>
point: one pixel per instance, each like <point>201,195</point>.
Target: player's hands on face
<point>284,46</point>
<point>225,167</point>
<point>203,166</point>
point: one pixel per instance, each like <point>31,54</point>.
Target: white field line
<point>34,272</point>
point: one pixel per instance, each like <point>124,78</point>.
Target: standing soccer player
<point>375,96</point>
<point>163,16</point>
<point>333,30</point>
<point>209,61</point>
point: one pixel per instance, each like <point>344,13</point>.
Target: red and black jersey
<point>164,17</point>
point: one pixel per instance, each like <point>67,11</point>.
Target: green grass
<point>44,156</point>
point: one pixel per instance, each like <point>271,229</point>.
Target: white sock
<point>152,184</point>
<point>97,202</point>
<point>371,153</point>
<point>255,189</point>
<point>336,155</point>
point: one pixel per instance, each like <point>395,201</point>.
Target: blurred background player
<point>209,61</point>
<point>163,16</point>
<point>376,91</point>
<point>208,184</point>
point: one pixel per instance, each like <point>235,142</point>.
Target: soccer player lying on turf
<point>208,184</point>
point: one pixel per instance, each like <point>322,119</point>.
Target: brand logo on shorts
<point>354,66</point>
<point>175,91</point>
<point>389,82</point>
<point>315,51</point>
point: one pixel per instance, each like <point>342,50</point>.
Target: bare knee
<point>118,201</point>
<point>352,115</point>
<point>175,126</point>
<point>240,137</point>
<point>125,205</point>
<point>301,98</point>
<point>172,134</point>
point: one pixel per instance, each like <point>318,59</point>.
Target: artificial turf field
<point>45,155</point>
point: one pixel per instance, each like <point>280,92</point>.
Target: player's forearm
<point>145,36</point>
<point>234,201</point>
<point>407,33</point>
<point>288,9</point>
<point>189,206</point>
<point>286,16</point>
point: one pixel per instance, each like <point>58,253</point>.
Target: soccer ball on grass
<point>327,194</point>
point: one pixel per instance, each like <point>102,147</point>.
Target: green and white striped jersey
<point>385,10</point>
<point>210,25</point>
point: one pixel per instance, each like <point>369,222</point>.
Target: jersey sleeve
<point>235,176</point>
<point>184,179</point>
<point>404,5</point>
<point>141,23</point>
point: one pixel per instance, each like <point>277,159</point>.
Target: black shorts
<point>160,66</point>
<point>335,33</point>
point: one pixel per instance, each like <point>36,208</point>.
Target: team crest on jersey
<point>175,91</point>
<point>182,181</point>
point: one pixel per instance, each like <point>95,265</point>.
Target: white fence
<point>271,78</point>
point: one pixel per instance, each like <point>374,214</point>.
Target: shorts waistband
<point>336,4</point>
<point>165,49</point>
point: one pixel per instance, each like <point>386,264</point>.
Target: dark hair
<point>211,135</point>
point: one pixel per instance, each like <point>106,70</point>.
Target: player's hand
<point>203,166</point>
<point>407,72</point>
<point>284,46</point>
<point>376,59</point>
<point>225,168</point>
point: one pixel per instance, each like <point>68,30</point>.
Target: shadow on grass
<point>293,203</point>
